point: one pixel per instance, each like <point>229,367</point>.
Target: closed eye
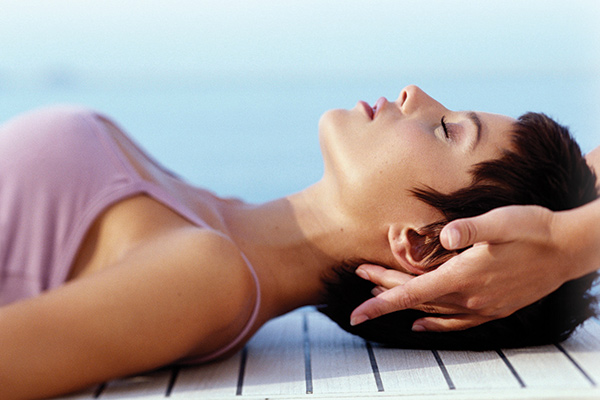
<point>445,128</point>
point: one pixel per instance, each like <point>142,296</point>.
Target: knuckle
<point>398,301</point>
<point>492,312</point>
<point>476,303</point>
<point>389,279</point>
<point>470,232</point>
<point>408,300</point>
<point>429,309</point>
<point>488,312</point>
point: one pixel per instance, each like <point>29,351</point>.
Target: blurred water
<point>255,136</point>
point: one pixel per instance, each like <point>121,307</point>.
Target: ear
<point>407,245</point>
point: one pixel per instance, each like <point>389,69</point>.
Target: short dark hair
<point>545,167</point>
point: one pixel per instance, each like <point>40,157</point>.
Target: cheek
<point>431,166</point>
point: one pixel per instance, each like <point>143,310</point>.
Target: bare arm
<point>544,249</point>
<point>151,309</point>
<point>593,159</point>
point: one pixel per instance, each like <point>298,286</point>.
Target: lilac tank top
<point>59,170</point>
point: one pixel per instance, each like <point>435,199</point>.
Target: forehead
<point>495,134</point>
<point>496,121</point>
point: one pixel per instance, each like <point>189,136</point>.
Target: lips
<point>378,106</point>
<point>367,108</point>
<point>372,112</point>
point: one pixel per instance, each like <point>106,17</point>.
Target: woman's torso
<point>78,194</point>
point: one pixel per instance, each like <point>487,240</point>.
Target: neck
<point>293,243</point>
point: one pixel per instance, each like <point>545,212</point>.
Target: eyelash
<point>445,128</point>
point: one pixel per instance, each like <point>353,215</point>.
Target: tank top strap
<point>244,332</point>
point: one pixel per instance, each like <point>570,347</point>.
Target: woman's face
<point>375,155</point>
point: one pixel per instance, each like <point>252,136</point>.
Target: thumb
<point>492,226</point>
<point>495,226</point>
<point>461,233</point>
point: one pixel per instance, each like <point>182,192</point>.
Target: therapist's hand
<point>515,260</point>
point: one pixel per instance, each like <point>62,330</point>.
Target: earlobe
<point>408,246</point>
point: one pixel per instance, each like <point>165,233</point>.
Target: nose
<point>411,98</point>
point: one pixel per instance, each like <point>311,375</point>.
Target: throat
<point>289,246</point>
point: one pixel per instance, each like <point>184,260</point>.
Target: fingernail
<point>453,238</point>
<point>419,328</point>
<point>359,319</point>
<point>376,291</point>
<point>363,274</point>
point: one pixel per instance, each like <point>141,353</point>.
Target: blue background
<point>229,93</point>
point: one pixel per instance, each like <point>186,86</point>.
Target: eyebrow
<point>474,118</point>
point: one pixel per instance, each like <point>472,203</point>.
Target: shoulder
<point>209,249</point>
<point>197,283</point>
<point>220,260</point>
<point>208,254</point>
<point>593,159</point>
<point>226,291</point>
<point>216,260</point>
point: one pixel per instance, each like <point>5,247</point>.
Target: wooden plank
<point>476,394</point>
<point>340,361</point>
<point>275,364</point>
<point>152,385</point>
<point>217,379</point>
<point>545,367</point>
<point>584,347</point>
<point>478,370</point>
<point>409,371</point>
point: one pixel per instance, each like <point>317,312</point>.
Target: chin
<point>331,128</point>
<point>335,123</point>
<point>332,118</point>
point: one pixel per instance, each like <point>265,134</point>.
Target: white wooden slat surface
<point>304,350</point>
<point>340,362</point>
<point>409,371</point>
<point>218,379</point>
<point>545,367</point>
<point>275,363</point>
<point>148,386</point>
<point>478,370</point>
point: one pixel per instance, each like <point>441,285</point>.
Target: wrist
<point>576,236</point>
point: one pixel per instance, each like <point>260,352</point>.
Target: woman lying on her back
<point>112,265</point>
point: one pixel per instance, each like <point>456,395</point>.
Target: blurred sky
<point>207,86</point>
<point>104,38</point>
